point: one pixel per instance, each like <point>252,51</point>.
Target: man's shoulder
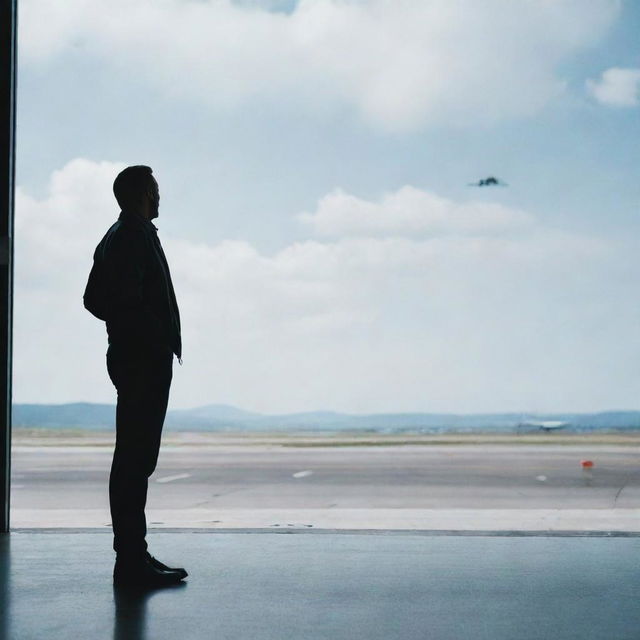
<point>122,229</point>
<point>121,237</point>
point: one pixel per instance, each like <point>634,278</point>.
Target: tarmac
<point>428,487</point>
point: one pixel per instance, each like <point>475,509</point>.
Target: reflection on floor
<point>329,585</point>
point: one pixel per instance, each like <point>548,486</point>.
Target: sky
<point>314,161</point>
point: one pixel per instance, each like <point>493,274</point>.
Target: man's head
<point>136,190</point>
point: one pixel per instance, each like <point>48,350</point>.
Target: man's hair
<point>131,184</point>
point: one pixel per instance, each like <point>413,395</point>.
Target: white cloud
<point>617,87</point>
<point>399,64</point>
<point>457,320</point>
<point>410,211</point>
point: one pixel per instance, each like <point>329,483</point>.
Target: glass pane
<point>403,241</point>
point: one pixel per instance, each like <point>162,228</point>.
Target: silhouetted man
<point>130,289</point>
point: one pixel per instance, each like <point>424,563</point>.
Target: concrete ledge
<point>480,520</point>
<point>460,533</point>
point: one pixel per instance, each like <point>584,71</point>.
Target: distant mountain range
<point>220,417</point>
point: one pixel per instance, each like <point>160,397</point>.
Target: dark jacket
<point>130,288</point>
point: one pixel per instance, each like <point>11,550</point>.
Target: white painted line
<point>302,474</point>
<point>541,478</point>
<point>179,476</point>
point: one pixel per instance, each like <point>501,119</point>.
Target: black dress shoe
<point>143,573</point>
<point>163,567</point>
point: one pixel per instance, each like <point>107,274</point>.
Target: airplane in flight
<point>491,181</point>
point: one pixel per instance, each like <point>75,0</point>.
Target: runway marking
<point>541,478</point>
<point>179,476</point>
<point>302,474</point>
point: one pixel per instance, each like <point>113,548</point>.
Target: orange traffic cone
<point>587,471</point>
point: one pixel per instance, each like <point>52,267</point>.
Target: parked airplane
<point>545,425</point>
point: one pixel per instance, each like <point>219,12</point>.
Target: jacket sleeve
<point>94,300</point>
<point>125,266</point>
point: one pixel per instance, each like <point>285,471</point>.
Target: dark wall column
<point>8,41</point>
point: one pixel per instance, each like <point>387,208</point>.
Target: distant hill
<point>77,414</point>
<point>220,417</point>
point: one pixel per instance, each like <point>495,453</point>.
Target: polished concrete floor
<point>330,585</point>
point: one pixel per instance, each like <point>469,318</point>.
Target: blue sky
<point>411,290</point>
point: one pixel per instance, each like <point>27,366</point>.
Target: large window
<point>406,229</point>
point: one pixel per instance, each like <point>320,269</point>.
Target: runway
<point>415,486</point>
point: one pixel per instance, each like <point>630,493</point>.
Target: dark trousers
<point>142,382</point>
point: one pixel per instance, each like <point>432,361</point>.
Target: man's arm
<point>94,293</point>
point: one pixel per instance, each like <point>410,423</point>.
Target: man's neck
<point>136,213</point>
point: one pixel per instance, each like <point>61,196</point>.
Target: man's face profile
<point>154,199</point>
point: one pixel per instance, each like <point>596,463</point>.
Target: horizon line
<point>385,412</point>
